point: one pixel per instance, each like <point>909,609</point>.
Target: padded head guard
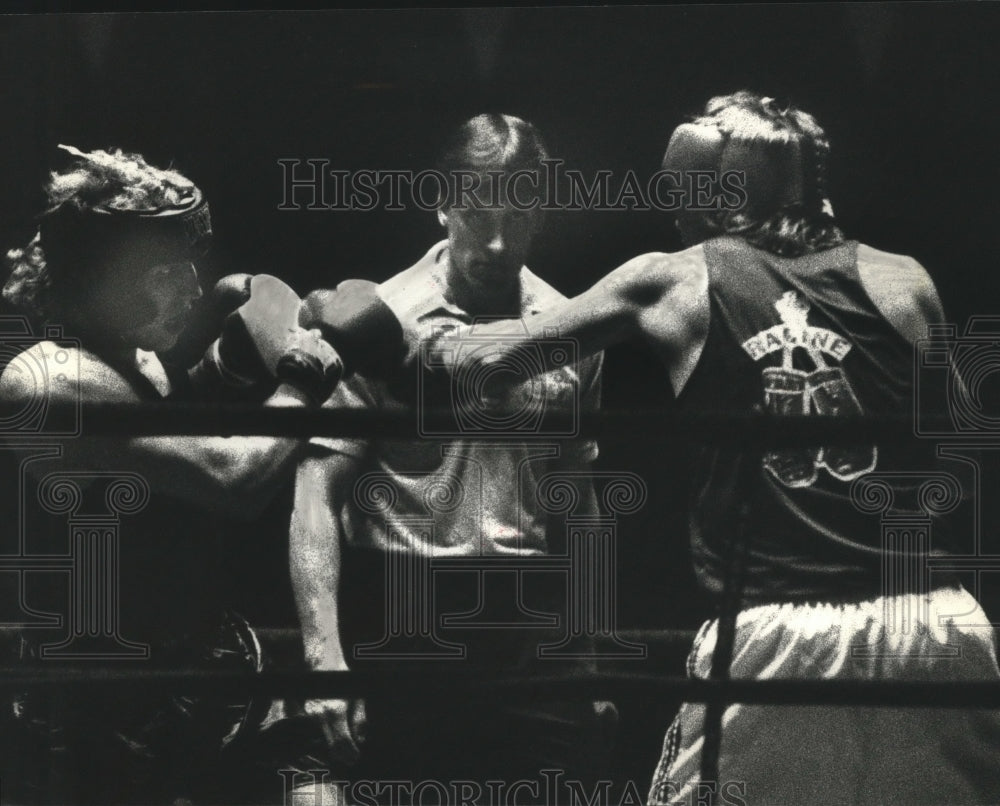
<point>111,237</point>
<point>780,163</point>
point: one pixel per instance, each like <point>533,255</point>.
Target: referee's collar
<point>421,291</point>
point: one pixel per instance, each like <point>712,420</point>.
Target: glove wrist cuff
<point>228,377</point>
<point>212,373</point>
<point>307,373</point>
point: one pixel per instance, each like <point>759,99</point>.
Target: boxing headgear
<point>72,236</point>
<point>86,246</point>
<point>777,165</point>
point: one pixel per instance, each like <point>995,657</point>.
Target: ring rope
<point>472,685</point>
<point>149,419</point>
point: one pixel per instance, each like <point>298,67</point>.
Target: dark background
<point>905,92</point>
<point>907,95</point>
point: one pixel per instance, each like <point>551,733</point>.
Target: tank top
<point>794,336</point>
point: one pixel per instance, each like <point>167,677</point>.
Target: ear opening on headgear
<point>772,168</point>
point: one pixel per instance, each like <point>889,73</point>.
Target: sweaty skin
<point>233,475</point>
<point>663,298</point>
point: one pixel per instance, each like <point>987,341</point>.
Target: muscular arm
<point>322,488</point>
<point>661,297</point>
<point>230,475</point>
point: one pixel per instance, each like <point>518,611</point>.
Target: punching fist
<point>228,294</point>
<point>208,317</point>
<point>261,341</point>
<point>360,326</point>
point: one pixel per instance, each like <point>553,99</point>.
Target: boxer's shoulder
<point>59,371</point>
<point>654,275</point>
<point>888,267</point>
<point>901,289</point>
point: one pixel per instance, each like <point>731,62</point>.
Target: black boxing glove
<point>309,374</point>
<point>228,294</point>
<point>358,324</point>
<point>231,362</point>
<point>208,317</point>
<point>257,337</point>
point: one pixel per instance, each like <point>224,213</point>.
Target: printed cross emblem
<point>824,390</point>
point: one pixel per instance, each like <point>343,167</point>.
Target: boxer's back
<point>821,334</point>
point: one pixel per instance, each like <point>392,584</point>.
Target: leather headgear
<point>85,247</point>
<point>72,236</point>
<point>778,165</point>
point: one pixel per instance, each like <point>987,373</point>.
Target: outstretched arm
<point>653,295</point>
<point>603,315</point>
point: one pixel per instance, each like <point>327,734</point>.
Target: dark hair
<point>111,180</point>
<point>491,142</point>
<point>794,229</point>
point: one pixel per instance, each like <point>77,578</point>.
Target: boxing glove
<point>208,315</point>
<point>262,341</point>
<point>784,395</point>
<point>358,324</point>
<point>831,394</point>
<point>228,294</point>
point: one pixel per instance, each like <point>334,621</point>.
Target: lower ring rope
<point>340,684</point>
